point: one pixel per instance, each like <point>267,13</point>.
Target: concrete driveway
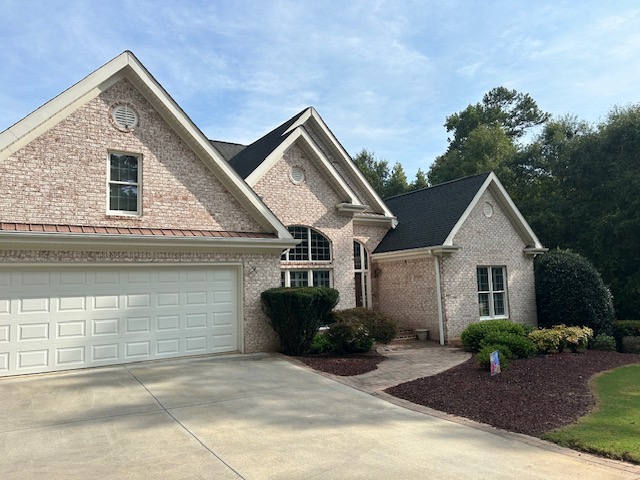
<point>247,416</point>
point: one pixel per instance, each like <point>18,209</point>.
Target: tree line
<point>576,183</point>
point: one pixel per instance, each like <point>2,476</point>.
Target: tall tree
<point>485,135</point>
<point>397,182</point>
<point>420,181</point>
<point>376,171</point>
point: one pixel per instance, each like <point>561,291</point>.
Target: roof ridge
<point>440,184</point>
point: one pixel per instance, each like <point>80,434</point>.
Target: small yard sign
<point>495,363</point>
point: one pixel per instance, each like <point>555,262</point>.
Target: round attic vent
<point>487,209</point>
<point>124,117</point>
<point>297,175</point>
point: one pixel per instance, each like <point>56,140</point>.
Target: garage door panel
<point>71,329</point>
<point>79,317</point>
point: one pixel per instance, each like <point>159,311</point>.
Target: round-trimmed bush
<point>570,291</point>
<point>519,345</point>
<point>484,356</point>
<point>297,314</point>
<point>474,334</point>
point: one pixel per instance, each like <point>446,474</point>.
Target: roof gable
<point>255,160</point>
<point>127,66</point>
<point>431,217</point>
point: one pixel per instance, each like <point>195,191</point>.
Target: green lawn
<point>613,430</point>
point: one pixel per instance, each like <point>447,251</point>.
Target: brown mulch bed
<point>532,396</point>
<point>344,366</point>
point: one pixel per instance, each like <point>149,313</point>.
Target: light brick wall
<point>406,291</point>
<point>61,177</point>
<point>313,204</point>
<point>338,166</point>
<point>258,334</point>
<point>486,242</point>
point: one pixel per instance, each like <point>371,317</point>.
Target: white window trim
<point>138,212</point>
<point>287,277</point>
<point>492,315</point>
<point>366,274</point>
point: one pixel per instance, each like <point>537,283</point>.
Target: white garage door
<point>63,318</point>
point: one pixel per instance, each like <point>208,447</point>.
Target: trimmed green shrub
<point>625,328</point>
<point>519,345</point>
<point>603,342</point>
<point>380,327</point>
<point>484,356</point>
<point>569,290</point>
<point>630,344</point>
<point>349,338</point>
<point>296,314</point>
<point>320,344</point>
<point>473,335</point>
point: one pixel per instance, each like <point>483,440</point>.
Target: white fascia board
<point>126,65</point>
<point>514,213</point>
<point>379,220</point>
<point>241,191</point>
<point>323,163</point>
<point>414,253</point>
<point>58,108</point>
<point>348,163</point>
<point>467,212</point>
<point>511,211</point>
<point>106,242</point>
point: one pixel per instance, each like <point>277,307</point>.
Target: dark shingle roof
<point>427,216</point>
<point>249,158</point>
<point>228,150</point>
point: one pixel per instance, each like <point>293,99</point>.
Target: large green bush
<point>380,327</point>
<point>519,345</point>
<point>570,291</point>
<point>474,334</point>
<point>296,314</point>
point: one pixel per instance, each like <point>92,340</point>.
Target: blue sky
<point>384,74</point>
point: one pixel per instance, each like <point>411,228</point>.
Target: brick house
<point>127,235</point>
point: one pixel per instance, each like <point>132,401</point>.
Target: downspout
<point>439,293</point>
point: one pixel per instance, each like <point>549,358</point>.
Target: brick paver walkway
<point>406,361</point>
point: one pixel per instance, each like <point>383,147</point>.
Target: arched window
<point>362,278</point>
<point>313,250</point>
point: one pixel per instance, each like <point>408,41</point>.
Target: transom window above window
<point>492,292</point>
<point>124,184</point>
<point>314,247</point>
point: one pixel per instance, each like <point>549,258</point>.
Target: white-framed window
<point>314,249</point>
<point>124,195</point>
<point>314,246</point>
<point>305,278</point>
<point>362,278</point>
<point>492,292</point>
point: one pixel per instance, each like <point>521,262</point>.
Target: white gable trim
<point>345,160</point>
<point>300,135</point>
<point>126,65</point>
<point>511,211</point>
